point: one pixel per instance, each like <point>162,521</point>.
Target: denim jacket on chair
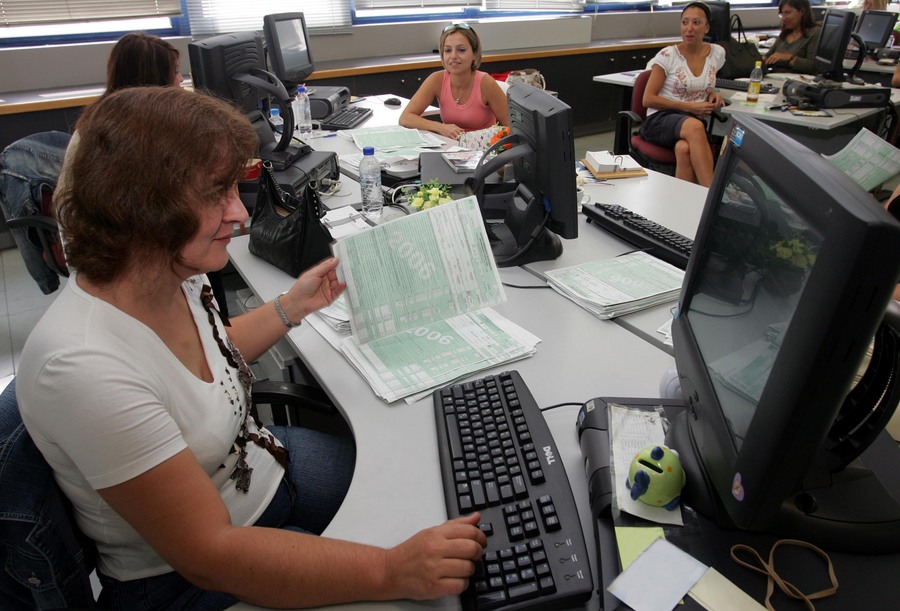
<point>25,165</point>
<point>42,562</point>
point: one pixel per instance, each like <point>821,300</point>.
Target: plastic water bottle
<point>755,81</point>
<point>276,120</point>
<point>370,184</point>
<point>302,116</point>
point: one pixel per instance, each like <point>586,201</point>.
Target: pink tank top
<point>473,113</point>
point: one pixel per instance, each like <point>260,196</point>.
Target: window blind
<point>42,12</point>
<point>534,5</point>
<point>222,16</point>
<point>367,5</point>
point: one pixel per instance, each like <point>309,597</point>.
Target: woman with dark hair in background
<point>469,98</point>
<point>140,59</point>
<point>681,93</point>
<point>795,47</point>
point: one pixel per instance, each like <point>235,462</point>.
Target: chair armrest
<point>26,222</point>
<point>626,120</point>
<point>273,392</point>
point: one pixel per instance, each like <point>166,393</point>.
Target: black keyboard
<point>498,457</point>
<point>727,83</point>
<point>659,241</point>
<point>346,118</point>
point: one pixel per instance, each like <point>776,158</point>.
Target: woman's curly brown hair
<point>147,160</point>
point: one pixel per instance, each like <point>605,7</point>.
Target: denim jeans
<point>319,473</point>
<point>25,165</point>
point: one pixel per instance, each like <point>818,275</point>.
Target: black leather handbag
<point>286,231</point>
<point>740,55</point>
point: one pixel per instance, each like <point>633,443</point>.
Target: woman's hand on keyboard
<point>435,562</point>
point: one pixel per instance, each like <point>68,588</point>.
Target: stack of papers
<point>867,159</point>
<point>613,287</point>
<point>419,291</point>
<point>392,144</point>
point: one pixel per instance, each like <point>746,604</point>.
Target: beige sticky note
<point>715,592</point>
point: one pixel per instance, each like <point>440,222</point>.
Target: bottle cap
<point>274,112</point>
<point>368,150</point>
<point>301,89</point>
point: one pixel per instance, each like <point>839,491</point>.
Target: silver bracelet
<point>282,315</point>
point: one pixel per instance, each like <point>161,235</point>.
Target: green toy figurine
<point>656,477</point>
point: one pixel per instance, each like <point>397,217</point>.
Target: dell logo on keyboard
<point>548,454</point>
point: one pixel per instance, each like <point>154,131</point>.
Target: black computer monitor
<point>829,58</point>
<point>218,63</point>
<point>287,45</point>
<point>792,269</point>
<point>875,27</point>
<point>719,21</point>
<point>233,67</point>
<point>541,148</point>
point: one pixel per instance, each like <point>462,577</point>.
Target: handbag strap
<point>737,24</point>
<point>287,201</point>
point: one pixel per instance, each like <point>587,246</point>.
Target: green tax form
<point>419,269</point>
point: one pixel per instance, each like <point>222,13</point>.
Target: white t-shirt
<point>105,401</point>
<point>681,85</point>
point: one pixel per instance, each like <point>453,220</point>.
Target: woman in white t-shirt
<point>681,92</point>
<point>137,391</point>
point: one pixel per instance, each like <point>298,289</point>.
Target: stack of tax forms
<point>418,302</point>
<point>614,287</point>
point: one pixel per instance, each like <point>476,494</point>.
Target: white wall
<point>49,67</point>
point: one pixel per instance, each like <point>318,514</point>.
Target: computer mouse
<point>392,102</point>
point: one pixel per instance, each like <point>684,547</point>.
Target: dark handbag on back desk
<point>285,231</point>
<point>740,56</point>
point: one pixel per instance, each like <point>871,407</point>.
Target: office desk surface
<point>671,202</point>
<point>396,488</point>
<point>840,116</point>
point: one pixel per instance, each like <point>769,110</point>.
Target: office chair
<point>42,231</point>
<point>48,560</point>
<point>629,141</point>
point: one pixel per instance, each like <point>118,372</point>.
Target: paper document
<point>867,159</point>
<point>418,269</point>
<point>630,431</point>
<point>418,295</point>
<point>393,138</point>
<point>612,287</point>
<point>658,578</point>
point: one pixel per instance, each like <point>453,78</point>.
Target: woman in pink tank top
<point>467,99</point>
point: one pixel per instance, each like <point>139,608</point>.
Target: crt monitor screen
<point>719,21</point>
<point>287,45</point>
<point>216,61</point>
<point>875,27</point>
<point>791,272</point>
<point>829,57</point>
<point>545,123</point>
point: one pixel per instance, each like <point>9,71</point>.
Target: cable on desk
<point>571,403</point>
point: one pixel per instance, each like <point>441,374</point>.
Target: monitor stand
<point>522,237</point>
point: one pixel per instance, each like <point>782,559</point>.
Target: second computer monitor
<point>829,58</point>
<point>287,47</point>
<point>875,27</point>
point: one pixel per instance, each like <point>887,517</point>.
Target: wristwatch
<point>278,308</point>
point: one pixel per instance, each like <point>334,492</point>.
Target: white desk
<point>382,116</point>
<point>396,488</point>
<point>822,134</point>
<point>673,203</point>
